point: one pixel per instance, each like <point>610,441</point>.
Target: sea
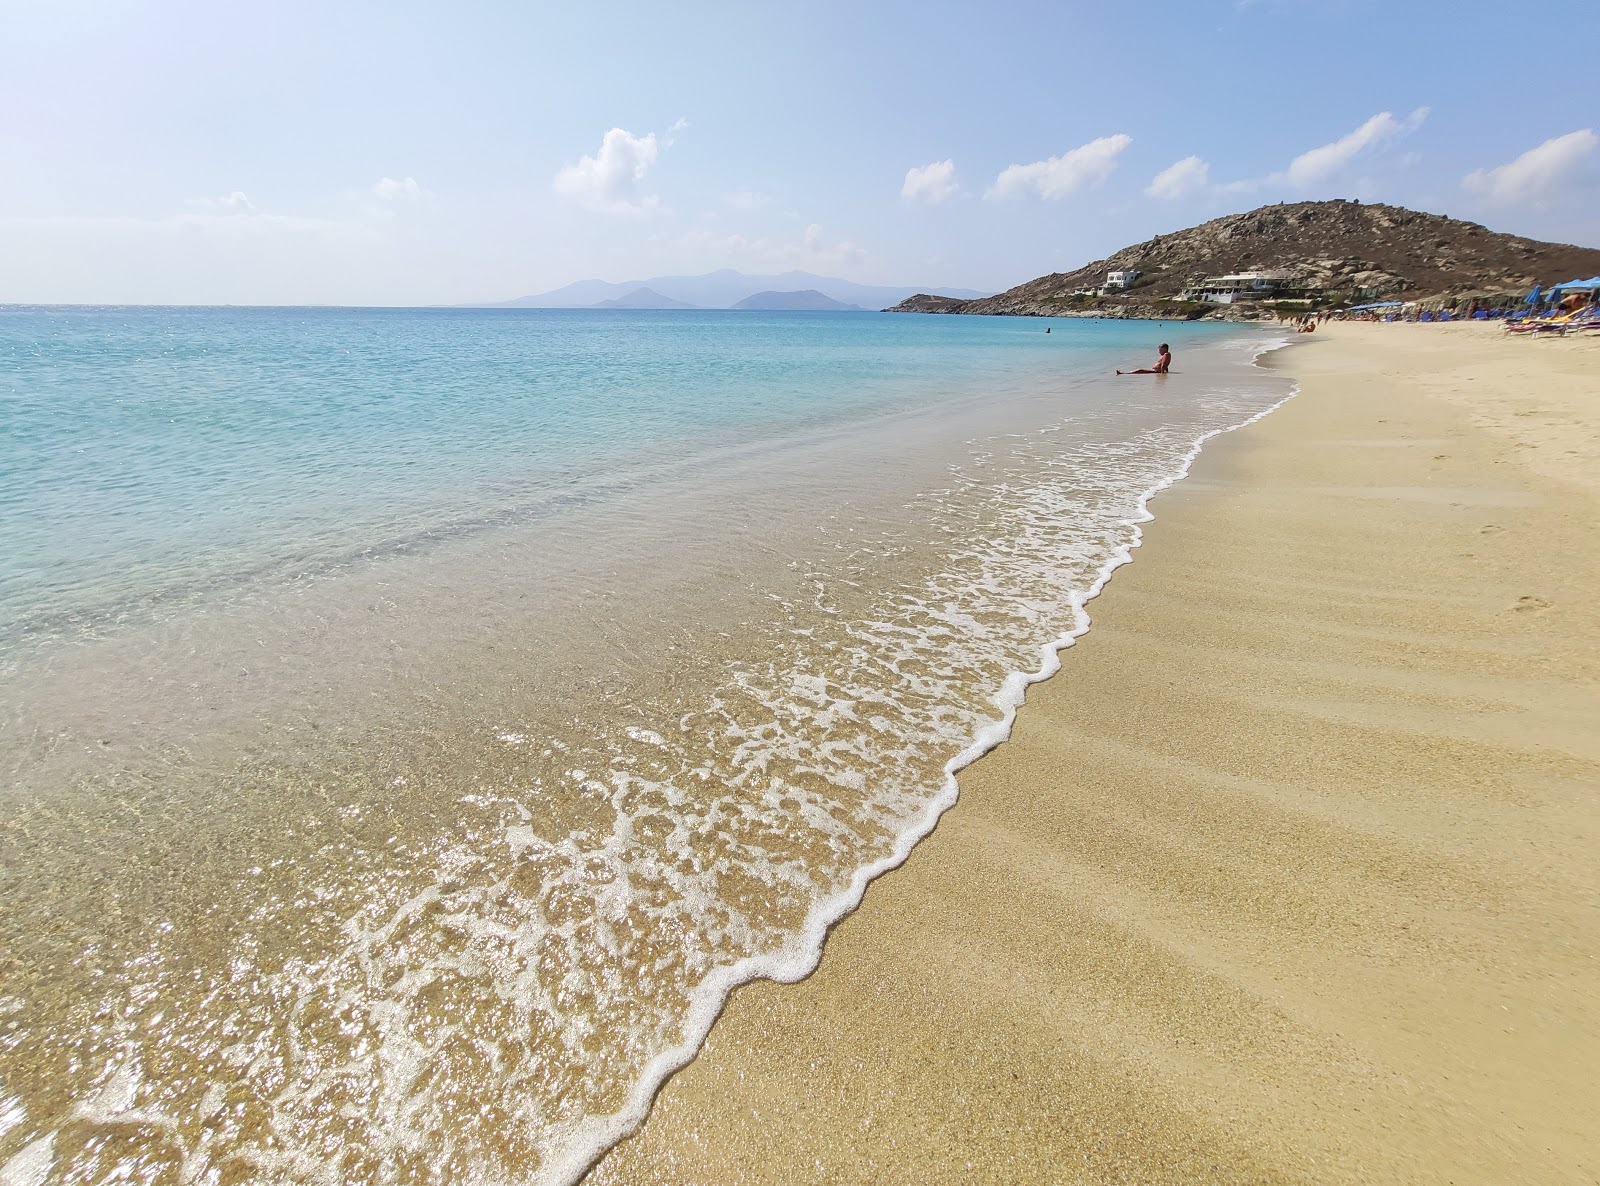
<point>414,723</point>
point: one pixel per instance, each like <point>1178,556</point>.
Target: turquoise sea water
<point>415,722</point>
<point>142,450</point>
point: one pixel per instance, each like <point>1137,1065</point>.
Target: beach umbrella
<point>1533,297</point>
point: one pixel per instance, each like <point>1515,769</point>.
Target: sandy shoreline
<point>1287,877</point>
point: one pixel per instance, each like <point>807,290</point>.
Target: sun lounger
<point>1546,323</point>
<point>1586,318</point>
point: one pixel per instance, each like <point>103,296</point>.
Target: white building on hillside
<point>1236,286</point>
<point>1116,281</point>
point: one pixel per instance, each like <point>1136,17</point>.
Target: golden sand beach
<point>1288,876</point>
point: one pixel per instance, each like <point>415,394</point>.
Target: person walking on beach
<point>1162,364</point>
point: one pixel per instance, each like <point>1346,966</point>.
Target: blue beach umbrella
<point>1533,297</point>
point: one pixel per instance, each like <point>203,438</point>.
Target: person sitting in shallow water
<point>1162,364</point>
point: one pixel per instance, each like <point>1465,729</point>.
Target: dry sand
<point>1289,876</point>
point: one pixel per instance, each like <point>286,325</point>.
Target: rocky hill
<point>1336,252</point>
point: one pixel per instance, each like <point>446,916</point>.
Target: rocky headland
<point>1333,253</point>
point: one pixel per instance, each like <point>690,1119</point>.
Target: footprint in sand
<point>1530,604</point>
<point>1490,529</point>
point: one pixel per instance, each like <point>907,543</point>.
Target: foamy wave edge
<point>596,1136</point>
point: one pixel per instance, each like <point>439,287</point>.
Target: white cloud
<point>232,214</point>
<point>234,203</point>
<point>1537,175</point>
<point>611,179</point>
<point>389,189</point>
<point>671,136</point>
<point>812,251</point>
<point>747,199</point>
<point>1056,177</point>
<point>930,183</point>
<point>1319,164</point>
<point>1179,180</point>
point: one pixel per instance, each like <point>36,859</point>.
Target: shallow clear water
<point>416,721</point>
<point>149,448</point>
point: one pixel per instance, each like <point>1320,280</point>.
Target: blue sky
<point>403,153</point>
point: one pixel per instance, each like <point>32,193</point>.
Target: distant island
<point>642,298</point>
<point>807,299</point>
<point>1294,257</point>
<point>721,289</point>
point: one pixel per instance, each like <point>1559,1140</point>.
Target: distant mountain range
<point>719,290</point>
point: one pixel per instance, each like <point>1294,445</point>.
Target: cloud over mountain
<point>1318,164</point>
<point>1536,176</point>
<point>612,179</point>
<point>1058,176</point>
<point>1180,179</point>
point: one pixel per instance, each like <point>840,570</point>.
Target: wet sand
<point>1288,876</point>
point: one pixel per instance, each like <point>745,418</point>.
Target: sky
<point>407,154</point>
